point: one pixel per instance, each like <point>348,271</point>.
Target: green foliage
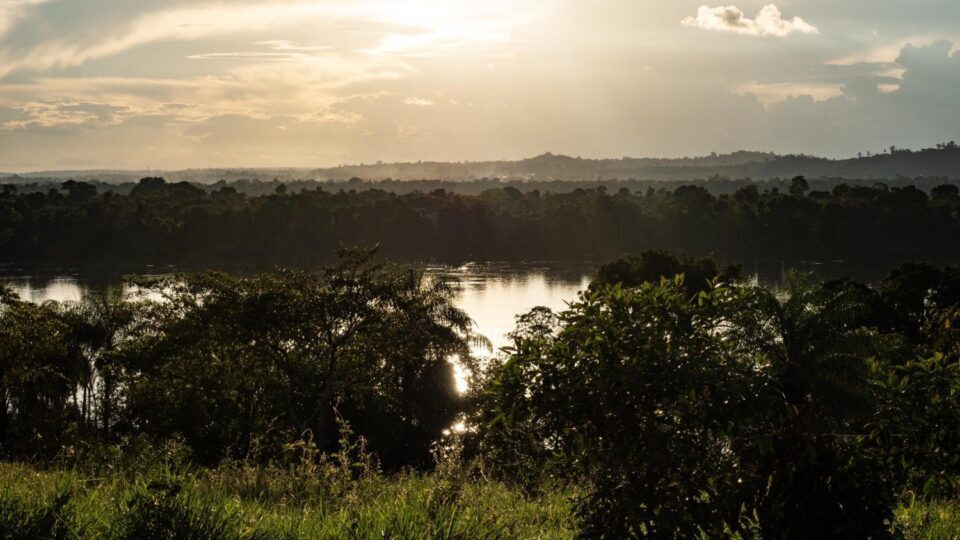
<point>917,423</point>
<point>636,393</point>
<point>737,410</point>
<point>917,292</point>
<point>39,366</point>
<point>240,367</point>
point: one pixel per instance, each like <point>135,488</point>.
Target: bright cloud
<point>418,28</point>
<point>769,22</point>
<point>418,102</point>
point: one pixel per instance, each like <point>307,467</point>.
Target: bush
<point>917,423</point>
<point>636,394</point>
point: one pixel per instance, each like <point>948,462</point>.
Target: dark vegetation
<point>257,187</point>
<point>179,223</point>
<point>672,406</point>
<point>804,413</point>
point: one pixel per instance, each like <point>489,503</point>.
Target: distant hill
<point>942,162</point>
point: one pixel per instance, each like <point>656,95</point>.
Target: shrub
<point>636,394</point>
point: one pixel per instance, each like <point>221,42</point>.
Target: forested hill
<point>942,162</point>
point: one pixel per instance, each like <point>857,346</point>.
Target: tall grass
<point>263,503</point>
<point>930,520</point>
<point>240,501</point>
<point>27,513</point>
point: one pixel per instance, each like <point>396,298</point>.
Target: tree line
<point>170,223</point>
<point>684,400</point>
<point>258,184</point>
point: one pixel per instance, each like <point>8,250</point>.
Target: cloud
<point>769,22</point>
<point>175,24</point>
<point>304,89</point>
<point>281,50</point>
<point>55,115</point>
<point>285,45</point>
<point>12,10</point>
<point>771,93</point>
<point>414,28</point>
<point>418,102</point>
<point>258,56</point>
<point>887,53</point>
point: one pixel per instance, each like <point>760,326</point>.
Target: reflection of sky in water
<point>59,290</point>
<point>494,301</point>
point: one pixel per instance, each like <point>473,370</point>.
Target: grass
<point>237,502</point>
<point>930,520</point>
<point>249,503</point>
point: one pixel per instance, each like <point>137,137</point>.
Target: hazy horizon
<point>178,84</point>
<point>157,170</point>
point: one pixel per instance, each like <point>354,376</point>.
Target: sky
<point>172,84</point>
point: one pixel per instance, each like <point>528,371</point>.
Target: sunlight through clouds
<point>327,82</point>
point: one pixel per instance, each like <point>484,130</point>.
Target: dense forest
<point>672,399</point>
<point>169,223</point>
